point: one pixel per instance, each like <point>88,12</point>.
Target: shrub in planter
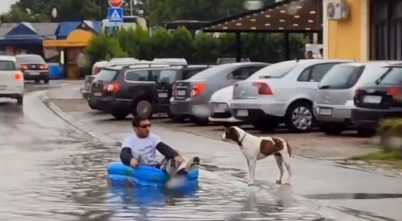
<point>390,131</point>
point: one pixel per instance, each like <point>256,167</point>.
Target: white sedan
<point>219,106</point>
<point>11,79</point>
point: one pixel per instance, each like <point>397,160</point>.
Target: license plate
<point>162,95</point>
<point>242,113</point>
<point>220,108</point>
<point>34,73</point>
<point>98,94</point>
<point>372,99</point>
<point>325,111</point>
<point>181,92</point>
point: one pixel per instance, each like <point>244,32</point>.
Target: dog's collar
<point>241,140</point>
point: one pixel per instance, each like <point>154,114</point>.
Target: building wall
<point>348,39</point>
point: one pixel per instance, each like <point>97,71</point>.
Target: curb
<point>69,120</point>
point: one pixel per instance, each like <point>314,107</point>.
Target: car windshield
<point>346,76</point>
<point>277,70</point>
<point>393,75</point>
<point>30,59</point>
<point>106,75</point>
<point>7,66</point>
<point>208,72</point>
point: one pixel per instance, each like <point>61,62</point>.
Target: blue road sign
<point>115,15</point>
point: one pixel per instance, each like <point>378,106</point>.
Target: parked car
<point>124,61</point>
<point>137,89</point>
<point>11,79</point>
<point>281,92</point>
<point>383,99</point>
<point>96,68</point>
<point>33,67</point>
<point>334,99</point>
<point>219,106</point>
<point>190,97</point>
<point>228,60</point>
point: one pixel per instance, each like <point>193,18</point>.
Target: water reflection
<point>149,197</point>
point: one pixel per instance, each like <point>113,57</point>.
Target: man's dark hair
<point>136,121</point>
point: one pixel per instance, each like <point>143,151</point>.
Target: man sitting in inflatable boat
<point>140,148</point>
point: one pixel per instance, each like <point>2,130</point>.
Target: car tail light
<point>358,92</point>
<point>44,67</point>
<point>197,89</point>
<point>18,76</point>
<point>394,91</point>
<point>113,87</point>
<point>23,67</point>
<point>263,88</point>
<point>174,90</point>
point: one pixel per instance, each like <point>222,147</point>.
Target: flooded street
<point>49,171</point>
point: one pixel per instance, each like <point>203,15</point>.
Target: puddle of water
<point>71,184</point>
<point>52,174</point>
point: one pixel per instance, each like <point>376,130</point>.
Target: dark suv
<point>137,89</point>
<point>376,102</point>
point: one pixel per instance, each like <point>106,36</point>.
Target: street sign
<point>115,15</point>
<point>115,3</point>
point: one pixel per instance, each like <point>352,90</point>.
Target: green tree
<point>182,43</point>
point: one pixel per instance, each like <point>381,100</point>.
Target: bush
<point>179,43</point>
<point>390,131</point>
<point>393,125</point>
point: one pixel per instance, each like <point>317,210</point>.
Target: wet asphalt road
<point>49,171</point>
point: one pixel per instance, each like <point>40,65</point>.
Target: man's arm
<point>126,155</point>
<point>166,150</point>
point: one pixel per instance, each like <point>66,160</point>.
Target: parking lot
<point>311,145</point>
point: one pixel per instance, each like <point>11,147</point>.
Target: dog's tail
<point>289,148</point>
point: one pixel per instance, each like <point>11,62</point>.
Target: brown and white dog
<point>256,148</point>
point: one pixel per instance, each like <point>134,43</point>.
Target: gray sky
<point>5,5</point>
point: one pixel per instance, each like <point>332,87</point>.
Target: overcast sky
<point>5,5</point>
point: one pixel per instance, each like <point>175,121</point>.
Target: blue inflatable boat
<point>145,176</point>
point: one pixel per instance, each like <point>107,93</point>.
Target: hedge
<point>202,48</point>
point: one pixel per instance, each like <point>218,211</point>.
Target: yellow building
<point>72,47</point>
<point>372,31</point>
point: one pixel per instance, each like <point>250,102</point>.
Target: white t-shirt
<point>143,149</point>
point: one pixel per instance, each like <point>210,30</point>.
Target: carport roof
<point>285,16</point>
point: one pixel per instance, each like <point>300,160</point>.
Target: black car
<point>137,89</point>
<point>33,67</point>
<point>378,101</point>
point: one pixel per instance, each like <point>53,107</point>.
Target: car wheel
<point>332,130</point>
<point>119,115</point>
<point>37,81</point>
<point>176,118</point>
<point>142,108</point>
<point>366,132</point>
<point>299,117</point>
<point>46,81</point>
<point>20,100</point>
<point>265,126</point>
